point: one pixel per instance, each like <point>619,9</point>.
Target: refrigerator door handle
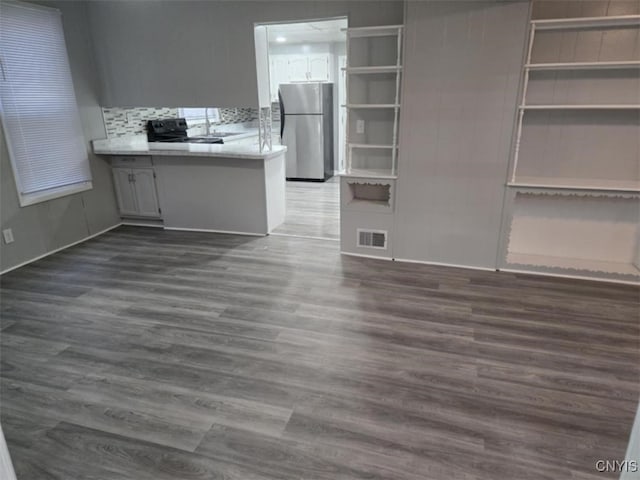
<point>281,114</point>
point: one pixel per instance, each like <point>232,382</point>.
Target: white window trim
<point>46,195</point>
<point>26,199</point>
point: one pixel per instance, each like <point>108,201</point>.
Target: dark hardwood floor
<point>150,354</point>
<point>313,209</point>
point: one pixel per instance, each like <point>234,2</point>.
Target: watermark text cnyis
<point>618,466</point>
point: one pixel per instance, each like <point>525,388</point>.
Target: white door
<point>319,67</point>
<point>298,68</point>
<point>125,193</point>
<point>146,196</point>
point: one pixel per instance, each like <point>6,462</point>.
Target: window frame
<point>32,198</point>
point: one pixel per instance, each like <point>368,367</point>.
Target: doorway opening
<point>307,91</point>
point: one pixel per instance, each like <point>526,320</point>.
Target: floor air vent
<point>372,239</point>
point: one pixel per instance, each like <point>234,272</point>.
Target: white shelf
<point>577,184</point>
<point>372,146</point>
<point>579,107</point>
<point>368,173</point>
<point>583,65</point>
<point>587,22</point>
<point>371,105</point>
<point>381,31</point>
<point>368,70</point>
<point>567,263</point>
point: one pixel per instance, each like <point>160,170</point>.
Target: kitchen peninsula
<point>231,188</point>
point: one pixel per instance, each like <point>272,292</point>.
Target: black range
<point>174,130</point>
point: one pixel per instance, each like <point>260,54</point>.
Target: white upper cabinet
<point>278,73</point>
<point>312,67</point>
<point>298,68</point>
<point>319,67</point>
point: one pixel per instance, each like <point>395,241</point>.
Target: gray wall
<point>41,228</point>
<point>462,71</point>
<point>194,53</point>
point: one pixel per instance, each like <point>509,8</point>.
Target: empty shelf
<point>587,22</point>
<point>579,107</point>
<point>596,185</point>
<point>372,105</point>
<point>368,173</point>
<point>368,145</point>
<point>381,31</point>
<point>583,65</point>
<point>380,69</point>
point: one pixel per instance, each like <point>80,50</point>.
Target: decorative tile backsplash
<point>121,122</point>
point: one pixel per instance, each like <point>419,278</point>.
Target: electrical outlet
<point>359,126</point>
<point>8,235</point>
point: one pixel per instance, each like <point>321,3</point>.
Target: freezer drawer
<point>303,136</point>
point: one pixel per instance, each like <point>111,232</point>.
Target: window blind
<point>38,105</point>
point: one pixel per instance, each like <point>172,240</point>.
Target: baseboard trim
<point>276,234</point>
<point>227,232</point>
<point>135,224</point>
<point>40,257</point>
<point>572,277</point>
<point>362,255</point>
<point>442,264</point>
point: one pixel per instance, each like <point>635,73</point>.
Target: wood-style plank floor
<point>313,209</point>
<point>150,354</point>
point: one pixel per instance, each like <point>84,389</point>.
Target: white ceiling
<point>308,32</point>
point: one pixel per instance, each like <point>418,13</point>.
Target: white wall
<point>462,68</point>
<point>192,53</point>
<point>43,227</point>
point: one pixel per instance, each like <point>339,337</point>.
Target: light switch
<point>8,235</point>
<point>359,126</point>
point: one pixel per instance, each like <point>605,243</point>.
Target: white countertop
<point>138,145</point>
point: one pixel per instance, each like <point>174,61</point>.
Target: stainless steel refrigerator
<point>306,128</point>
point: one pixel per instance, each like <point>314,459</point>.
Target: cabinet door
<point>279,74</point>
<point>319,67</point>
<point>298,70</point>
<point>125,193</point>
<point>145,190</point>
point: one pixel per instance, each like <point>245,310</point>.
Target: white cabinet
<point>136,192</point>
<point>319,67</point>
<point>125,192</point>
<point>278,73</point>
<point>298,68</point>
<point>285,68</point>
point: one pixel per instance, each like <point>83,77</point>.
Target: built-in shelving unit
<point>573,202</point>
<point>373,99</point>
<point>367,184</point>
